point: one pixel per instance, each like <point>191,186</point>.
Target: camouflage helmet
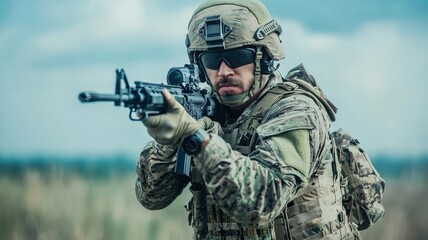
<point>228,24</point>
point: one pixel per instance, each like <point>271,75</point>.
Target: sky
<point>369,57</point>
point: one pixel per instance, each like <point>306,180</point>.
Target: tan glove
<point>212,127</point>
<point>173,126</point>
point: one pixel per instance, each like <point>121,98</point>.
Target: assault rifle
<point>147,100</point>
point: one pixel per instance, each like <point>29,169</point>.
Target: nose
<point>224,70</point>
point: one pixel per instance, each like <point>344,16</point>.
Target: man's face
<point>230,72</point>
<point>228,81</point>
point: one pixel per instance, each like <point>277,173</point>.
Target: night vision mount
<point>214,31</point>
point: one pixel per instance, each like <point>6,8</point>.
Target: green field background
<point>54,202</point>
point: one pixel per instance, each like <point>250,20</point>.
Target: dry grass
<point>69,206</point>
<point>406,211</point>
<point>59,205</point>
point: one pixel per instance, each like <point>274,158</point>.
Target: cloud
<point>39,108</point>
<point>94,30</point>
<point>111,23</point>
<point>375,74</point>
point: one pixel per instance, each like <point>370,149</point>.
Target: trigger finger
<point>168,98</point>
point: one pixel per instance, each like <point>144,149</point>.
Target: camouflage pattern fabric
<point>363,187</point>
<point>157,186</point>
<point>244,17</point>
<point>245,191</point>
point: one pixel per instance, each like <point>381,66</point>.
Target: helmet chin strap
<point>260,81</point>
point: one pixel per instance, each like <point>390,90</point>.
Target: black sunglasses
<point>233,58</point>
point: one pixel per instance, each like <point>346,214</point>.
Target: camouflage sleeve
<point>254,189</point>
<point>300,112</point>
<point>157,185</point>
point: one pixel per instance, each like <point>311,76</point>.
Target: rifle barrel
<point>102,97</point>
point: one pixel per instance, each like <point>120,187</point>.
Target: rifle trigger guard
<point>131,115</point>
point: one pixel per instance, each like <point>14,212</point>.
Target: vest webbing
<point>315,213</point>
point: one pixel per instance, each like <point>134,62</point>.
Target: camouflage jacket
<point>246,189</point>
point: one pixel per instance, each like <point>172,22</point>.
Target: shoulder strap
<point>318,95</point>
<point>304,81</point>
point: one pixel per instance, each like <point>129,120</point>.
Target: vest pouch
<point>198,212</point>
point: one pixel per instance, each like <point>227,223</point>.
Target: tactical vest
<point>316,212</point>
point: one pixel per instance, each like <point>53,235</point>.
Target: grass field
<point>60,204</point>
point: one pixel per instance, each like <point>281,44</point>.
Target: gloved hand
<point>173,126</point>
<point>212,127</point>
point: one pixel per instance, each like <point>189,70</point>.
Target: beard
<point>229,81</point>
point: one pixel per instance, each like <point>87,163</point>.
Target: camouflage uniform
<point>271,173</point>
<point>284,158</point>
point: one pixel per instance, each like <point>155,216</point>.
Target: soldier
<point>267,171</point>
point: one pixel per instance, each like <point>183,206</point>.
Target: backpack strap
<point>305,81</point>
